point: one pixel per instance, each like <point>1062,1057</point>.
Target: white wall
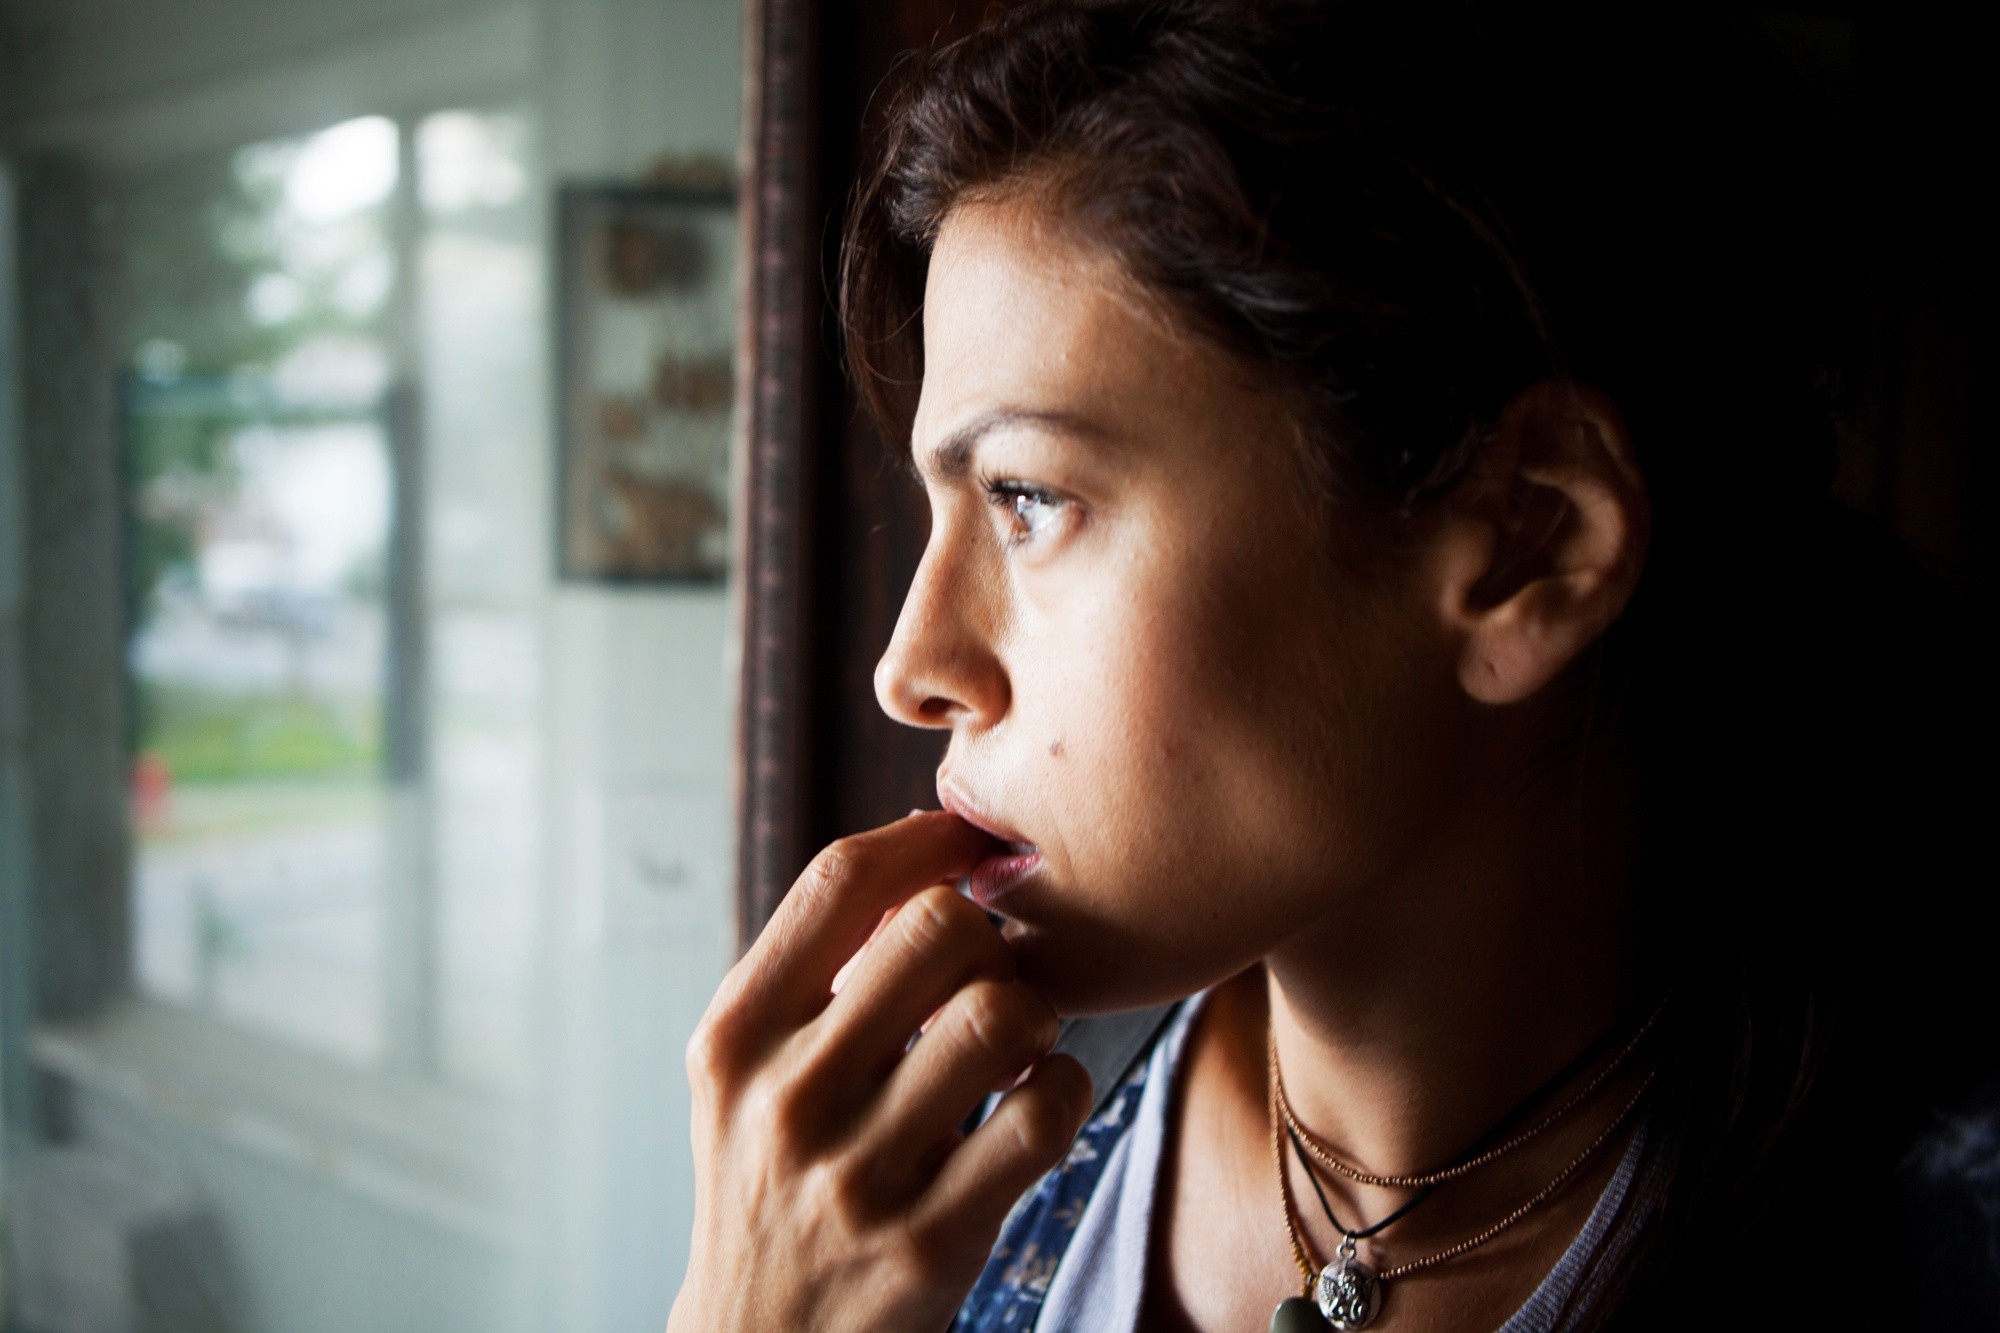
<point>640,890</point>
<point>639,902</point>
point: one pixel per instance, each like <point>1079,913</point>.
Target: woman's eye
<point>1031,509</point>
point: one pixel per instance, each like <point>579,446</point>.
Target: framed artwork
<point>646,332</point>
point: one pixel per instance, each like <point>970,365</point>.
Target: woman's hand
<point>833,1189</point>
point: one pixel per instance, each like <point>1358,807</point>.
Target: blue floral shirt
<point>1008,1296</point>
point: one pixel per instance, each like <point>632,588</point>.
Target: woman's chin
<point>1080,971</point>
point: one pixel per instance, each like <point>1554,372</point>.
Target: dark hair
<point>1403,215</point>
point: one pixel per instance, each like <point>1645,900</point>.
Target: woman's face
<point>1159,663</point>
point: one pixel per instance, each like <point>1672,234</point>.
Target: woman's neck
<point>1494,955</point>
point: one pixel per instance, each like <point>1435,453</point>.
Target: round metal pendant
<point>1348,1293</point>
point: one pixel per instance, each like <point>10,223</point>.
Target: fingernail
<point>840,977</point>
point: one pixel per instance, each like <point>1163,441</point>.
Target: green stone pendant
<point>1296,1314</point>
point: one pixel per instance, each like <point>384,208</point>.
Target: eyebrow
<point>951,461</point>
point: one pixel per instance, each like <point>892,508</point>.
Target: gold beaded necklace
<point>1326,1157</point>
<point>1346,1293</point>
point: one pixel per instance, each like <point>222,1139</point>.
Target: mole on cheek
<point>1055,747</point>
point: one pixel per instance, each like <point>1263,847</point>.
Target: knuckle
<point>771,1112</point>
<point>1001,1019</point>
<point>834,1194</point>
<point>940,921</point>
<point>716,1049</point>
<point>931,919</point>
<point>952,906</point>
<point>838,863</point>
<point>707,1056</point>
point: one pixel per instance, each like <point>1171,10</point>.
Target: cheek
<point>1151,695</point>
<point>1103,673</point>
<point>1229,753</point>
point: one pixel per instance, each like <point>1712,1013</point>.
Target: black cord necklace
<point>1347,1293</point>
<point>1493,1144</point>
<point>1350,1237</point>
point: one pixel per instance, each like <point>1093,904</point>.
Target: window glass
<point>364,864</point>
<point>257,288</point>
<point>290,874</point>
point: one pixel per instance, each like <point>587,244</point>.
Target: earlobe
<point>1546,543</point>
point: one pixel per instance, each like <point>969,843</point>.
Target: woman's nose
<point>940,669</point>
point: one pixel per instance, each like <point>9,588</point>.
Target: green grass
<point>209,736</point>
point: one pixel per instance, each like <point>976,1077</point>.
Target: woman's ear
<point>1543,541</point>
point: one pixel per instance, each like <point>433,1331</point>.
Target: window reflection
<point>290,875</point>
<point>259,474</point>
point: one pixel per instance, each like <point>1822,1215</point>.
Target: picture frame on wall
<point>646,335</point>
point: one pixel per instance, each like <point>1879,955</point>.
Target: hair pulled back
<point>1402,214</point>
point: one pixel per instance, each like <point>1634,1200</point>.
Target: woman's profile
<point>1389,638</point>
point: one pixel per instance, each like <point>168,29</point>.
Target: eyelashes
<point>1031,510</point>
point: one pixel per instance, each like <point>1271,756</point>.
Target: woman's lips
<point>995,877</point>
<point>1006,867</point>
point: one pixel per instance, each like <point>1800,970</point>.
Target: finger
<point>831,908</point>
<point>1028,1133</point>
<point>938,943</point>
<point>989,1032</point>
<point>847,968</point>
